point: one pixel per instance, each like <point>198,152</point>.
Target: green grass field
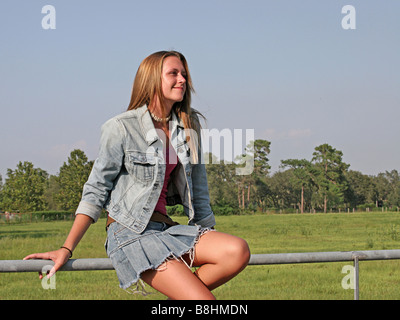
<point>264,233</point>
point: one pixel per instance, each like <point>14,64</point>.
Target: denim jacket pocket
<point>141,165</point>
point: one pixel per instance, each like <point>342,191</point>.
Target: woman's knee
<point>238,253</point>
<point>223,249</point>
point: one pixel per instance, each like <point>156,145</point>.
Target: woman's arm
<point>95,193</point>
<point>61,256</point>
<point>105,170</point>
<point>81,224</point>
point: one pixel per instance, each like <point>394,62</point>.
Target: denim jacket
<point>128,175</point>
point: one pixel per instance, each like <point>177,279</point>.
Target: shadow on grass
<point>36,234</point>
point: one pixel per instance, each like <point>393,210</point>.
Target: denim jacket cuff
<point>207,222</point>
<point>89,209</point>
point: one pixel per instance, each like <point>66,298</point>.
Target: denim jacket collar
<point>146,125</point>
<point>148,129</point>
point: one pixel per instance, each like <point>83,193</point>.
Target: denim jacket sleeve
<point>105,169</point>
<point>204,215</point>
<point>201,198</point>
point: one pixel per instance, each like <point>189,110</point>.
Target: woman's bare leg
<point>174,279</point>
<point>220,257</point>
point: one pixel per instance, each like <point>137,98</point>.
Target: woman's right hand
<point>60,257</point>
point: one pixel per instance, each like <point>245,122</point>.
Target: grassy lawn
<point>264,233</point>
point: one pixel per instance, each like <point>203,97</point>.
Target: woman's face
<point>173,80</point>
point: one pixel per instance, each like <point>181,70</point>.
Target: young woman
<point>150,157</point>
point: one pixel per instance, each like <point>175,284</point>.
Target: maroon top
<point>171,160</point>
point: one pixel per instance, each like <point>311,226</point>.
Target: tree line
<point>322,183</point>
<point>29,189</point>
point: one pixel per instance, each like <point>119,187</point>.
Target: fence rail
<point>255,259</point>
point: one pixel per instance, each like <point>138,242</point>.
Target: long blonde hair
<point>147,86</point>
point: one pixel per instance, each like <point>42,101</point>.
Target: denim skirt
<point>131,253</point>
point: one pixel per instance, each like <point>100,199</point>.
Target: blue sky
<point>286,69</point>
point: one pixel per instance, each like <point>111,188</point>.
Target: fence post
<point>356,279</point>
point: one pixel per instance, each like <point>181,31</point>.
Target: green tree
<point>262,193</point>
<point>50,194</point>
<point>393,188</point>
<point>382,188</point>
<point>361,189</point>
<point>301,175</point>
<point>1,193</point>
<point>258,150</point>
<point>24,188</point>
<point>329,174</point>
<point>282,191</point>
<point>221,185</point>
<point>71,179</point>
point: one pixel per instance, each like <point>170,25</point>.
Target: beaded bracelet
<point>68,250</point>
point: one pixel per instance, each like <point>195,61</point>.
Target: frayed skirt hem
<point>134,254</point>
